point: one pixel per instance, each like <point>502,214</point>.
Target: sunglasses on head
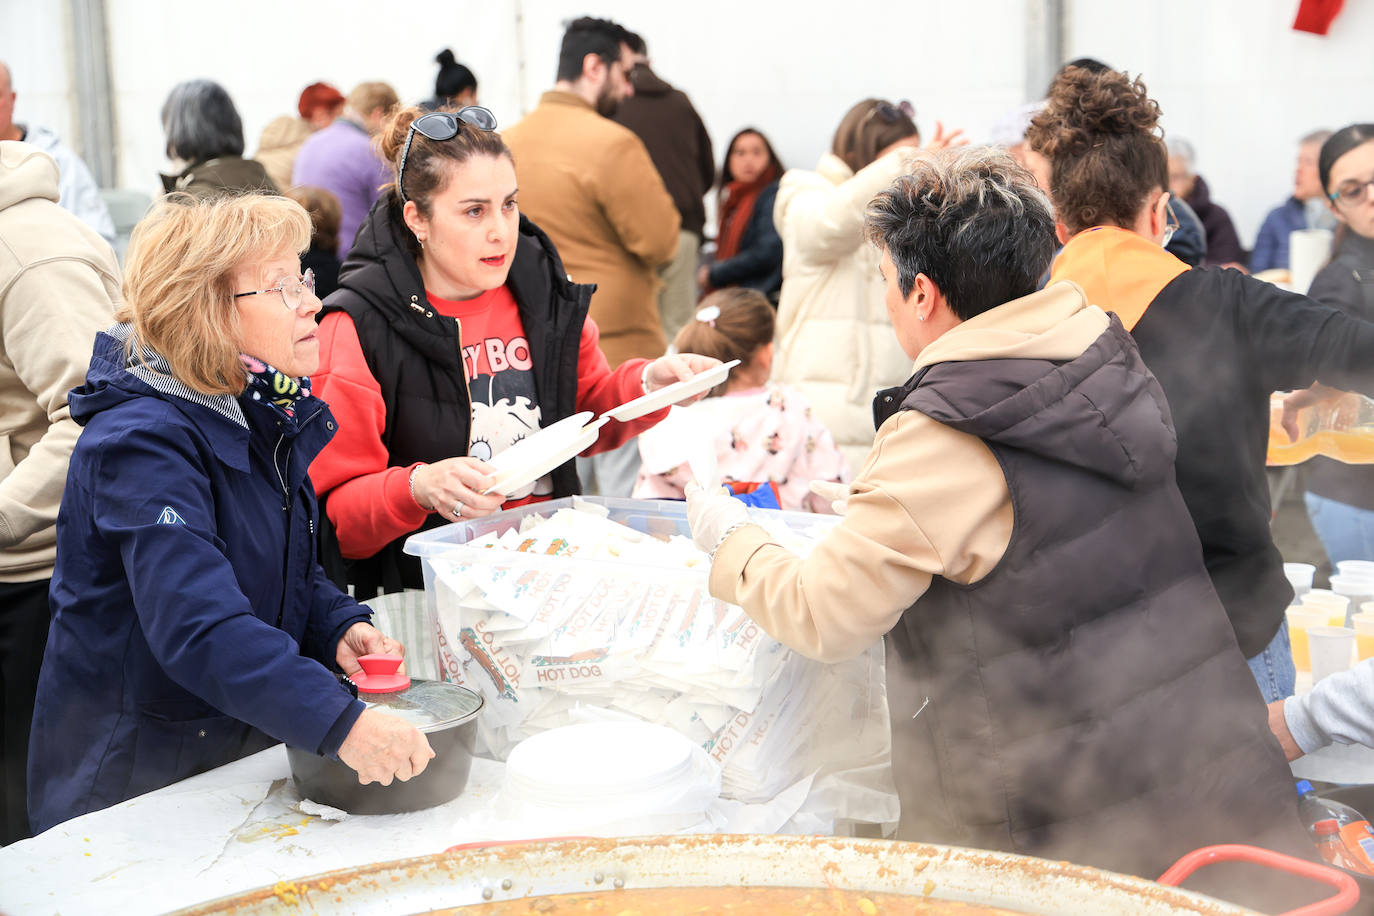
<point>442,125</point>
<point>889,113</point>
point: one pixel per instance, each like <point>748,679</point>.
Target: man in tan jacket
<point>58,286</point>
<point>590,184</point>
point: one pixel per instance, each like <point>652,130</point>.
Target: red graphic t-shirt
<point>500,373</point>
<point>370,502</point>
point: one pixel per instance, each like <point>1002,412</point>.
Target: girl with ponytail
<point>1218,341</point>
<point>761,432</point>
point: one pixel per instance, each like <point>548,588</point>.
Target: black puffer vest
<point>414,353</point>
<point>1087,699</point>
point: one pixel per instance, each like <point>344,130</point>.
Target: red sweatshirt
<point>369,500</point>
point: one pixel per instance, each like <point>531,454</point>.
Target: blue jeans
<point>1346,531</point>
<point>1273,668</point>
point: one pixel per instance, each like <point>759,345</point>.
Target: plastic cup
<point>1300,619</point>
<point>1353,568</point>
<point>1331,649</point>
<point>1335,606</point>
<point>1364,634</point>
<point>1300,577</point>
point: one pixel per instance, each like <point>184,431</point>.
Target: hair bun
<point>394,132</point>
<point>1084,106</point>
<point>445,59</point>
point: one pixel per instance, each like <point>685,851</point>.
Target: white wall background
<point>1230,74</point>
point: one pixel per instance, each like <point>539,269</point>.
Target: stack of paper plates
<point>597,773</point>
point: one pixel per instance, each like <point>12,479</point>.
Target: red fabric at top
<point>369,500</point>
<point>1316,16</point>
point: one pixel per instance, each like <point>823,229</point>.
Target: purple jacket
<point>340,158</point>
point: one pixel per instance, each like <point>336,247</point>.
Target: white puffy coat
<point>834,341</point>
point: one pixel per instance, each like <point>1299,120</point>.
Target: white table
<point>238,827</point>
<point>225,831</point>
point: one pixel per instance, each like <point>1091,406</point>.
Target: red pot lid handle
<point>380,674</point>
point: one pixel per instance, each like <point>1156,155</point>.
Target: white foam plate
<point>573,763</point>
<point>671,394</point>
<point>538,454</point>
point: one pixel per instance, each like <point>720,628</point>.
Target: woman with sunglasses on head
<point>1340,497</point>
<point>454,334</point>
<point>192,623</point>
<point>748,248</point>
<point>1219,342</point>
<point>834,339</point>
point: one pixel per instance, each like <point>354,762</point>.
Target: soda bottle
<point>1356,835</point>
<point>1330,846</point>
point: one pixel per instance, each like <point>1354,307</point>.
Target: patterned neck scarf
<point>275,388</point>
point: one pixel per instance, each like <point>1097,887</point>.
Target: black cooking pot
<point>446,713</point>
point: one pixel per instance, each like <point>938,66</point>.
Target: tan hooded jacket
<point>928,501</point>
<point>59,284</point>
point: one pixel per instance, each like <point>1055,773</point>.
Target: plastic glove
<point>834,491</point>
<point>711,514</point>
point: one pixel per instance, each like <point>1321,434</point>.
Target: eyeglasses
<point>889,113</point>
<point>292,289</point>
<point>1170,225</point>
<point>442,125</point>
<point>1352,192</point>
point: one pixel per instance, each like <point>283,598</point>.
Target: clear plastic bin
<point>676,656</point>
<point>660,518</point>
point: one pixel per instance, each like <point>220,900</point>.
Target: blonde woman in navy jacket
<point>192,624</point>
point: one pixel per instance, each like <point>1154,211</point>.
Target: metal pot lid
<point>428,705</point>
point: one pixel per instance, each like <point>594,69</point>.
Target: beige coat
<point>590,184</point>
<point>834,342</point>
<point>58,287</point>
<point>277,148</point>
<point>929,501</point>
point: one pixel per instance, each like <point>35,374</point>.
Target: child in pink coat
<point>762,432</point>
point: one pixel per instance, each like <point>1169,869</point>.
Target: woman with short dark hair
<point>205,136</point>
<point>1061,678</point>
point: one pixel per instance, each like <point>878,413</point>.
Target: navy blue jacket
<point>192,624</point>
<point>758,265</point>
<point>1271,245</point>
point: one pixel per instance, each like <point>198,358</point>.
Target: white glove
<point>712,514</point>
<point>833,490</point>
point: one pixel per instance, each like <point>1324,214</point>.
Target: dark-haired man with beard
<point>590,184</point>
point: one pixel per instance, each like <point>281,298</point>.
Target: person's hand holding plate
<point>678,367</point>
<point>453,488</point>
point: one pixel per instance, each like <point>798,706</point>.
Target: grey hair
<point>201,122</point>
<point>972,221</point>
<point>1316,136</point>
<point>1184,150</point>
